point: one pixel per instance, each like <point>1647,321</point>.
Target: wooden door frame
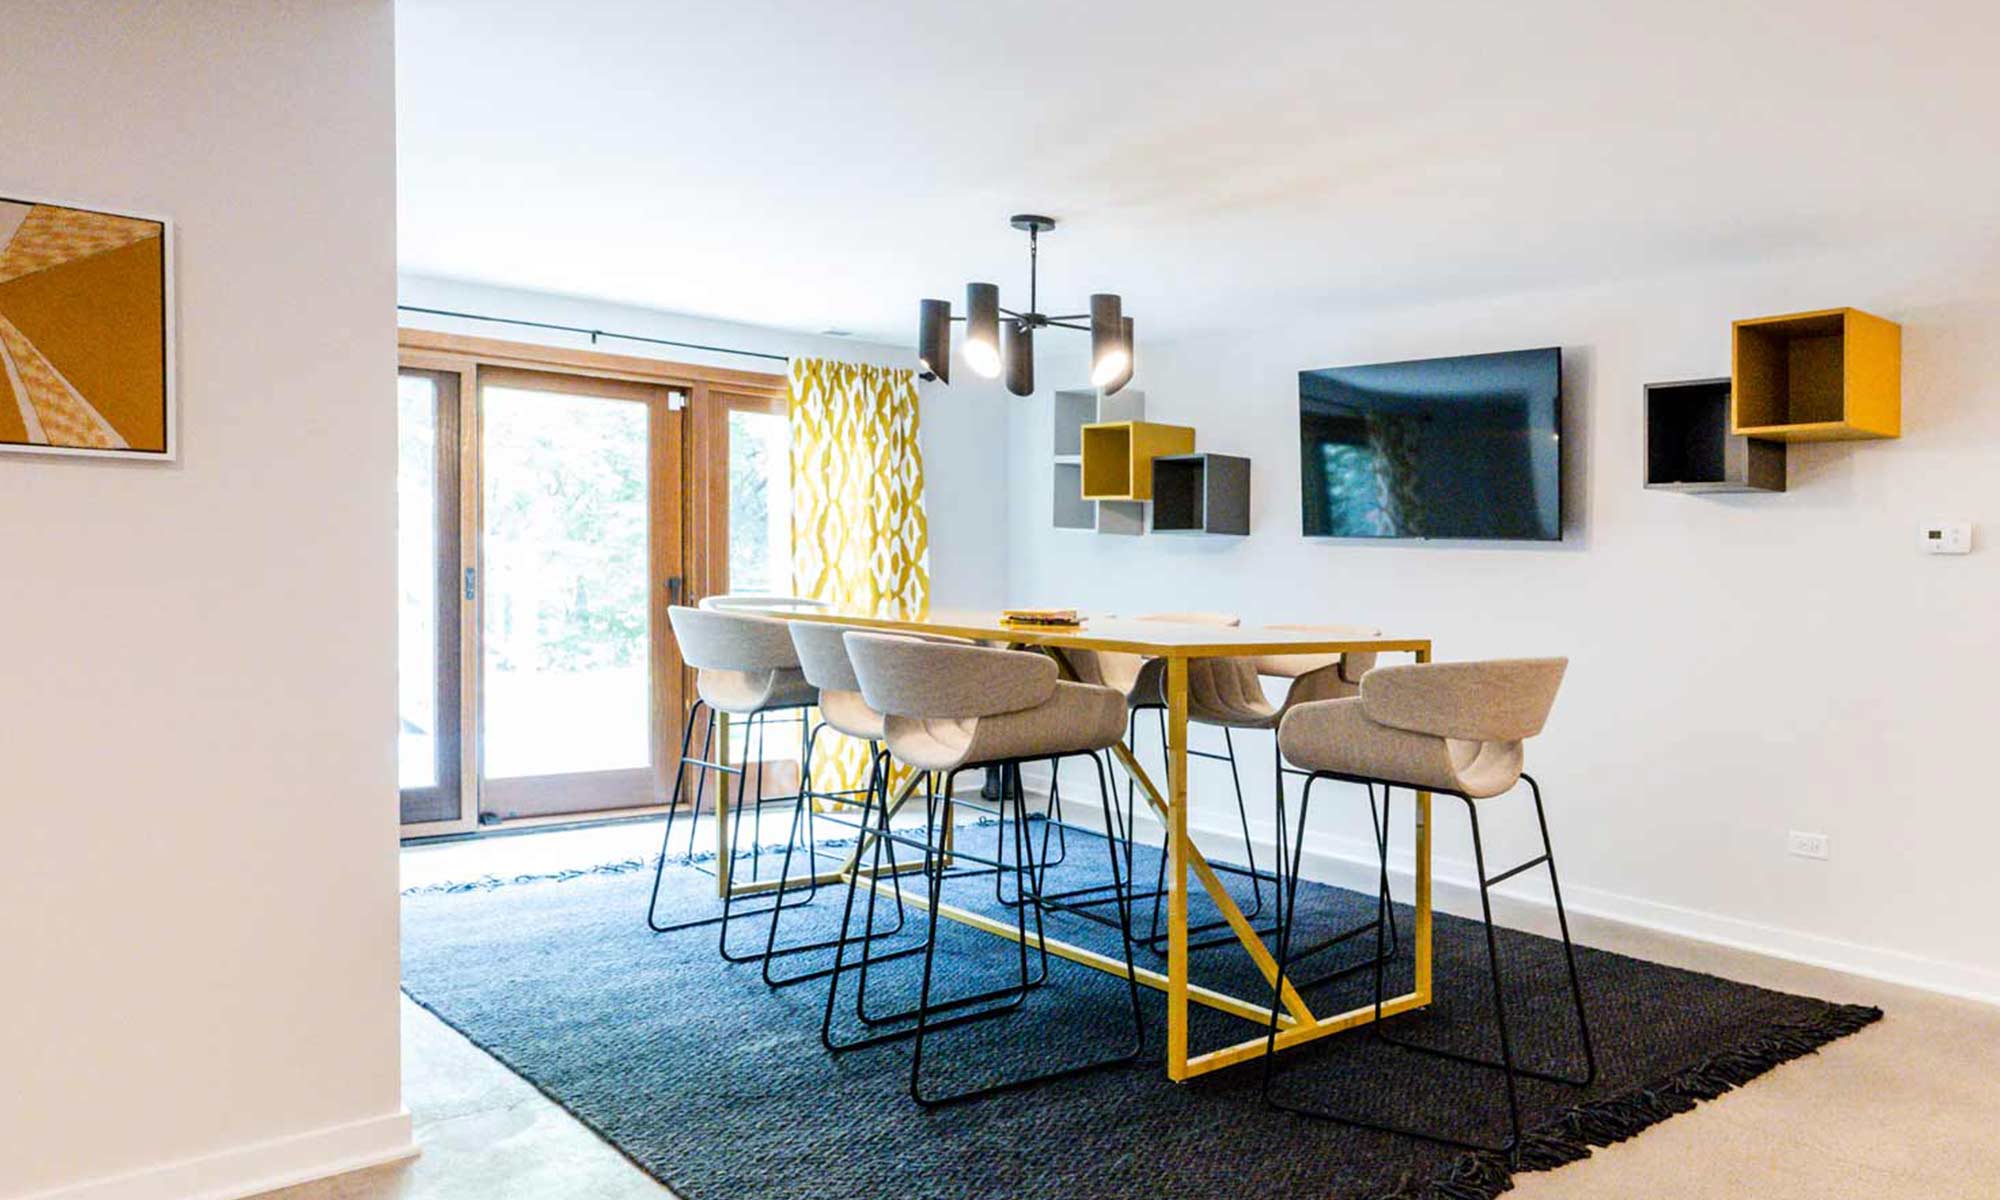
<point>708,475</point>
<point>464,425</point>
<point>698,512</point>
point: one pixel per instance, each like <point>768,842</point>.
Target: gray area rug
<point>719,1087</point>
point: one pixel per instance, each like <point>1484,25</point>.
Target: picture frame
<point>87,331</point>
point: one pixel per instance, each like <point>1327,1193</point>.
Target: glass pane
<point>568,682</point>
<point>416,581</point>
<point>760,503</point>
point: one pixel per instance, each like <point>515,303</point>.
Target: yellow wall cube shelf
<point>1118,457</point>
<point>1830,375</point>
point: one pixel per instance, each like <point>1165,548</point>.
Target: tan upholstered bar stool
<point>822,657</point>
<point>1143,682</point>
<point>745,666</point>
<point>1228,693</point>
<point>1453,729</point>
<point>952,708</point>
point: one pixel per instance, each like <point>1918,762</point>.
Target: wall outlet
<point>1948,537</point>
<point>1807,845</point>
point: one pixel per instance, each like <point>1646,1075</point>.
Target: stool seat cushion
<point>848,713</point>
<point>1076,718</point>
<point>1226,691</point>
<point>1338,736</point>
<point>742,692</point>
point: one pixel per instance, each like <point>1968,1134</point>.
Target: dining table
<point>1176,645</point>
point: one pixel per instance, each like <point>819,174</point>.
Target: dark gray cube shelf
<point>1689,447</point>
<point>1201,493</point>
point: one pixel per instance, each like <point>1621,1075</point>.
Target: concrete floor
<point>1906,1108</point>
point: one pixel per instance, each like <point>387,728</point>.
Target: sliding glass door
<point>428,678</point>
<point>551,505</point>
<point>579,543</point>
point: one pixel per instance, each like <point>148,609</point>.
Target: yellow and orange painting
<point>83,332</point>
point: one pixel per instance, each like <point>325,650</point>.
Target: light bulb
<point>983,357</point>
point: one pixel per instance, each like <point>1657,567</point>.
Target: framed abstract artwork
<point>86,336</point>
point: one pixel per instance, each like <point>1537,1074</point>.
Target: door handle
<point>673,589</point>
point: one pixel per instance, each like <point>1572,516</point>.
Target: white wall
<point>962,429</point>
<point>197,781</point>
<point>1741,666</point>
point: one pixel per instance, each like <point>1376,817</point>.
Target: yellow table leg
<point>1177,869</point>
<point>1422,934</point>
<point>1212,884</point>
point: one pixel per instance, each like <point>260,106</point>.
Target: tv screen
<point>1464,447</point>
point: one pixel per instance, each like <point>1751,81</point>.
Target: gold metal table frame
<point>1177,645</point>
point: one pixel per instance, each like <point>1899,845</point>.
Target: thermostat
<point>1948,537</point>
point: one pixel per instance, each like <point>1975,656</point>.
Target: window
<point>760,502</point>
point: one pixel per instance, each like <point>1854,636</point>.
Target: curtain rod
<point>594,333</point>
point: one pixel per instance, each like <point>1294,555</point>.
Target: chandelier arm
<point>1059,323</point>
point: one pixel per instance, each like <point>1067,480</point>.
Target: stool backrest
<point>1499,700</point>
<point>1140,678</point>
<point>754,600</point>
<point>721,640</point>
<point>822,654</point>
<point>912,677</point>
<point>1291,666</point>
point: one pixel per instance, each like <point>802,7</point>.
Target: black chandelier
<point>989,355</point>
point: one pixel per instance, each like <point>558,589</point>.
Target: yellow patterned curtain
<point>859,537</point>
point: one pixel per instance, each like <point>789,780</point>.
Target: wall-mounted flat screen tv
<point>1464,447</point>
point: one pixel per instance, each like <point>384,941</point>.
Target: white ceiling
<point>811,164</point>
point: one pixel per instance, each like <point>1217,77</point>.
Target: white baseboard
<point>259,1167</point>
<point>1597,917</point>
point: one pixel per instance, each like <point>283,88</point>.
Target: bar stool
<point>952,708</point>
<point>1229,693</point>
<point>745,666</point>
<point>1143,682</point>
<point>1450,729</point>
<point>822,658</point>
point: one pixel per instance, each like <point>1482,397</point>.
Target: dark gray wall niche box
<point>1689,447</point>
<point>1201,493</point>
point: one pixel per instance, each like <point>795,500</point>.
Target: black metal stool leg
<point>938,816</point>
<point>1511,1072</point>
<point>701,775</point>
<point>1243,820</point>
<point>673,806</point>
<point>1385,913</point>
<point>882,844</point>
<point>1104,793</point>
<point>1287,921</point>
<point>1569,949</point>
<point>727,867</point>
<point>773,951</point>
<point>1024,881</point>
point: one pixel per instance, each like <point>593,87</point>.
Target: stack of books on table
<point>1048,618</point>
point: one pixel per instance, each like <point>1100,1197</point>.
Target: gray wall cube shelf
<point>1689,447</point>
<point>1075,408</point>
<point>1072,511</point>
<point>1201,493</point>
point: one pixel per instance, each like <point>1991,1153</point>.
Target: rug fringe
<point>1483,1175</point>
